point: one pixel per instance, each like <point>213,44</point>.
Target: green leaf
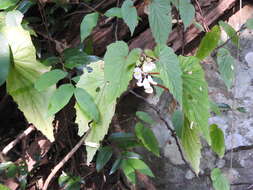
<point>148,138</point>
<point>130,165</point>
<point>144,116</point>
<point>60,98</point>
<point>129,14</point>
<point>226,65</point>
<point>25,5</point>
<point>23,73</point>
<point>63,179</point>
<point>191,145</point>
<point>249,23</point>
<point>114,12</point>
<point>116,57</point>
<point>11,171</point>
<point>4,59</point>
<point>3,187</point>
<point>187,12</point>
<point>230,32</point>
<point>178,122</point>
<point>104,155</point>
<point>74,57</point>
<point>87,25</point>
<point>217,140</point>
<point>115,166</point>
<point>241,109</point>
<point>5,4</point>
<point>224,107</point>
<point>170,72</point>
<point>209,43</point>
<point>86,102</point>
<point>95,84</point>
<point>220,182</point>
<point>50,61</point>
<point>49,78</point>
<point>160,20</point>
<point>195,95</point>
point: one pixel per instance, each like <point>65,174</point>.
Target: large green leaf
<point>187,12</point>
<point>23,73</point>
<point>160,20</point>
<point>195,95</point>
<point>86,103</point>
<point>87,25</point>
<point>4,59</point>
<point>60,98</point>
<point>220,182</point>
<point>209,43</point>
<point>148,138</point>
<point>191,145</point>
<point>217,140</point>
<point>119,68</point>
<point>230,32</point>
<point>95,84</point>
<point>170,72</point>
<point>226,65</point>
<point>129,14</point>
<point>5,4</point>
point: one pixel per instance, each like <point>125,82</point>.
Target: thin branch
<point>19,137</point>
<point>202,16</point>
<point>173,133</point>
<point>64,160</point>
<point>240,148</point>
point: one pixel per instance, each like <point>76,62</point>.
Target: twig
<point>116,25</point>
<point>19,137</point>
<point>173,133</point>
<point>64,160</point>
<point>202,17</point>
<point>240,148</point>
<point>89,7</point>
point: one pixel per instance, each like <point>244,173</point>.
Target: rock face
<point>237,165</point>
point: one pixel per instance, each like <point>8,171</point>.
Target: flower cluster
<point>141,74</point>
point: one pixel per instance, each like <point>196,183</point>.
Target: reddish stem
<point>163,87</point>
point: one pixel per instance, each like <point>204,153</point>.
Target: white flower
<point>151,81</point>
<point>146,83</point>
<point>148,66</point>
<point>142,76</point>
<point>138,73</point>
<point>149,90</point>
